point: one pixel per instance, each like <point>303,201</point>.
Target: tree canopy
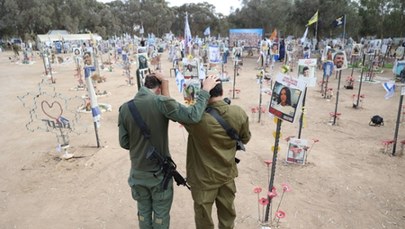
<point>380,18</point>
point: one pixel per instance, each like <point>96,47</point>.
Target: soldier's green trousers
<point>223,197</point>
<point>153,203</point>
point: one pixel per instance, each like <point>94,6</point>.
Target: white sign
<point>297,151</point>
<point>286,97</point>
<point>306,71</point>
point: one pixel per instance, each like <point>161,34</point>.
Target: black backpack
<point>376,120</point>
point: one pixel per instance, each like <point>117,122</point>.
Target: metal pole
<point>337,98</point>
<point>385,55</point>
<point>361,80</point>
<point>351,63</point>
<point>394,146</point>
<point>273,168</point>
<point>260,96</point>
<point>344,29</point>
<point>302,114</point>
<point>234,78</point>
<point>96,130</point>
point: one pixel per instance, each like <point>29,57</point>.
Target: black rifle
<point>168,168</point>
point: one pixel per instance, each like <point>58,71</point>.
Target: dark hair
<point>217,90</point>
<point>152,82</point>
<point>339,53</point>
<point>304,69</point>
<point>288,93</point>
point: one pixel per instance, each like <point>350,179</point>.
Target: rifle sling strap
<point>229,130</point>
<point>138,119</point>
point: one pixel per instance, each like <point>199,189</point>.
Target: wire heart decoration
<point>52,109</point>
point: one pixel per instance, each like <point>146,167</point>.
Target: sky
<point>221,6</point>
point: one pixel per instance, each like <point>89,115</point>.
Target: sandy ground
<point>348,181</point>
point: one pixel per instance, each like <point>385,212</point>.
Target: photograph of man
<point>339,60</point>
<point>305,71</point>
<point>356,49</point>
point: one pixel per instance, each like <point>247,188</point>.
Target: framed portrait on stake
<point>214,54</point>
<point>306,71</point>
<point>356,49</point>
<point>190,68</point>
<point>286,97</point>
<point>339,60</point>
<point>297,151</point>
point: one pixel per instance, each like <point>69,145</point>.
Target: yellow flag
<point>313,19</point>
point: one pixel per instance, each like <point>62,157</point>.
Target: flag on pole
<point>304,37</point>
<point>95,110</point>
<point>207,31</point>
<point>179,80</point>
<point>389,86</point>
<point>273,35</point>
<point>339,21</point>
<point>313,19</point>
<point>187,35</point>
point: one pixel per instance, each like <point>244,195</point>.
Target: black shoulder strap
<point>229,130</point>
<point>138,119</point>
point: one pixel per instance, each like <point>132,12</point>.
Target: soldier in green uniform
<point>156,108</point>
<point>211,166</point>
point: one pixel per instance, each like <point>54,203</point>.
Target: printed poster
<point>297,151</point>
<point>306,71</point>
<point>286,97</point>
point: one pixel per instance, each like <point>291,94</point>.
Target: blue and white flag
<point>187,36</point>
<point>207,31</point>
<point>339,21</point>
<point>179,80</point>
<point>304,37</point>
<point>214,55</point>
<point>95,110</point>
<point>201,74</point>
<point>389,86</point>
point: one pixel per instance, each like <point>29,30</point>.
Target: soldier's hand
<point>210,82</point>
<point>160,76</point>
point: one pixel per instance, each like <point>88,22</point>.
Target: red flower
<point>274,189</point>
<point>263,201</point>
<point>280,214</point>
<point>268,162</point>
<point>272,194</point>
<point>257,189</point>
<point>286,188</point>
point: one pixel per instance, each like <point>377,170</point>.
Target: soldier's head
<point>152,82</point>
<point>217,91</point>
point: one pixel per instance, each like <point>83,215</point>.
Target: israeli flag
<point>389,86</point>
<point>95,110</point>
<point>207,31</point>
<point>179,80</point>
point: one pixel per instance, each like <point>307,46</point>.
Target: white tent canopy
<point>67,37</point>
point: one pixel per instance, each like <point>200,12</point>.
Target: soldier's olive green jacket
<point>210,150</point>
<point>156,110</point>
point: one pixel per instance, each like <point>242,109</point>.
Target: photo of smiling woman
<point>284,101</point>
